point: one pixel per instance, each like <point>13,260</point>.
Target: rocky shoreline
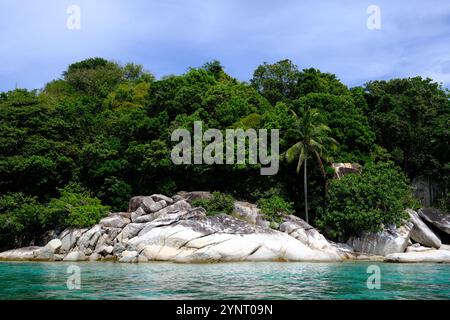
<point>161,228</point>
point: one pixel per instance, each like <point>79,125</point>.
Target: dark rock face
<point>436,217</point>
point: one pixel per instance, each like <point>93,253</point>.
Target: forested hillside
<point>87,142</point>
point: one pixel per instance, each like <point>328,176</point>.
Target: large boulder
<point>149,205</point>
<point>135,203</point>
<point>160,197</point>
<point>137,213</point>
<point>418,248</point>
<point>421,233</point>
<point>131,230</point>
<point>48,252</point>
<point>308,235</point>
<point>175,208</point>
<point>115,220</point>
<point>75,256</point>
<point>304,232</point>
<point>21,254</point>
<point>129,256</point>
<point>90,237</point>
<point>249,212</point>
<point>53,246</point>
<point>390,240</point>
<point>69,238</point>
<point>438,256</point>
<point>193,237</point>
<point>148,202</point>
<point>436,217</point>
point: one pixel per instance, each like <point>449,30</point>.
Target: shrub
<point>274,207</point>
<point>19,219</point>
<point>364,202</point>
<point>74,208</point>
<point>443,203</point>
<point>219,203</point>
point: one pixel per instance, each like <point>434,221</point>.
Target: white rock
<point>94,257</point>
<point>129,256</point>
<point>418,248</point>
<point>246,211</point>
<point>137,213</point>
<point>144,219</point>
<point>222,238</point>
<point>142,258</point>
<point>159,197</point>
<point>305,233</point>
<point>131,230</point>
<point>149,205</point>
<point>115,221</point>
<point>85,239</point>
<point>75,256</point>
<point>438,256</point>
<point>53,246</point>
<point>21,254</point>
<point>390,240</point>
<point>421,233</point>
<point>69,238</point>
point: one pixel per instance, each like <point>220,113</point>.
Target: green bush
<point>19,219</point>
<point>274,207</point>
<point>218,204</point>
<point>74,208</point>
<point>443,203</point>
<point>364,202</point>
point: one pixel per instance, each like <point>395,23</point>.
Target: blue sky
<point>168,36</point>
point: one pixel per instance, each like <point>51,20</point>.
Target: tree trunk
<point>305,187</point>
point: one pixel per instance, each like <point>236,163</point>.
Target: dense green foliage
<point>19,219</point>
<point>364,202</point>
<point>274,207</point>
<point>411,119</point>
<point>443,203</point>
<point>74,208</point>
<point>218,204</point>
<point>107,128</point>
<point>23,218</point>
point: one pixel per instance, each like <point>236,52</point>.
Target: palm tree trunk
<point>305,187</point>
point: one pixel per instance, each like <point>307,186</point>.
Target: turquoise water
<point>24,280</point>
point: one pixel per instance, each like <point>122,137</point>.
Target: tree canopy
<point>106,127</point>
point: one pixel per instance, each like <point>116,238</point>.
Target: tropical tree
<point>314,141</point>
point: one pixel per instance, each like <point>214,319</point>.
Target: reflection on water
<point>224,281</point>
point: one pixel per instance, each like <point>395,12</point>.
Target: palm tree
<point>314,141</point>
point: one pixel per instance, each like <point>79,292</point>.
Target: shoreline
<point>161,228</point>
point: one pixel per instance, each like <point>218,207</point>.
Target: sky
<point>169,36</point>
